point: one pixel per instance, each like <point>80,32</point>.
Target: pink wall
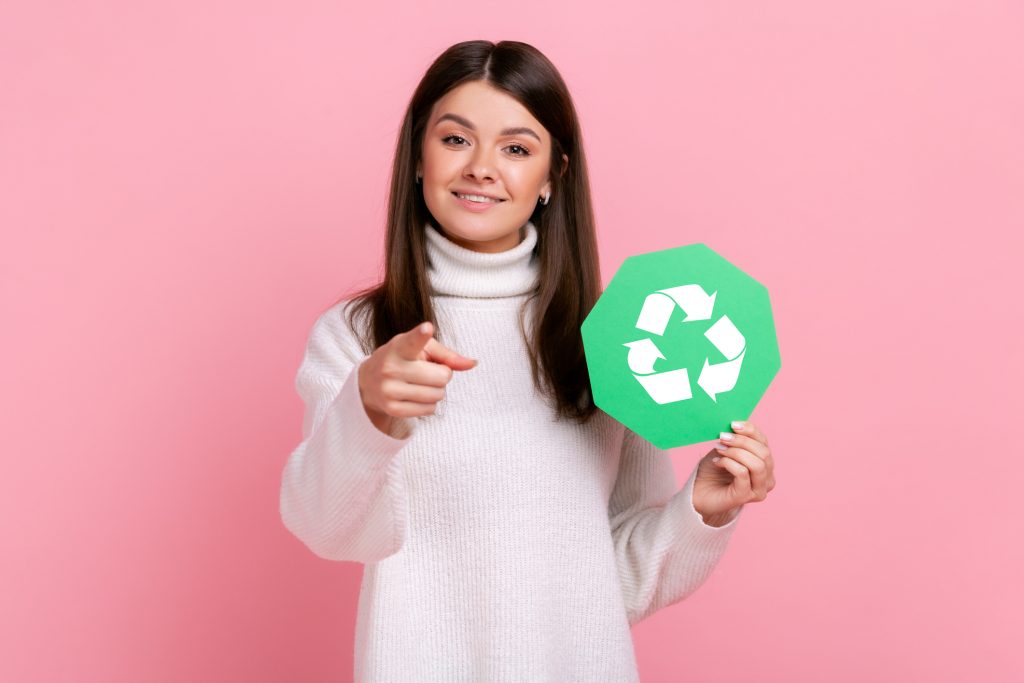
<point>183,186</point>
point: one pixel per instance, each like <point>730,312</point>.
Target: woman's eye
<point>452,139</point>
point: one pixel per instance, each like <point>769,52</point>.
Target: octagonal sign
<point>680,343</point>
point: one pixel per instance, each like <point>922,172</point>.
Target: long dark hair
<point>570,279</point>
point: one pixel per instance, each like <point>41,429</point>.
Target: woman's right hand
<point>406,376</point>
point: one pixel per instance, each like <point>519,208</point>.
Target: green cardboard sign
<point>681,343</point>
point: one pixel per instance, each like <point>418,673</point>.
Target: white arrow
<point>642,355</point>
<point>667,387</point>
<point>695,302</point>
<point>715,379</point>
<point>726,337</point>
<point>656,311</point>
<point>658,307</point>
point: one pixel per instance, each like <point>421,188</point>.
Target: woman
<point>510,529</point>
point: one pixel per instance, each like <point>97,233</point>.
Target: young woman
<point>510,530</point>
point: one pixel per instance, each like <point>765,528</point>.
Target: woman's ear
<point>565,164</point>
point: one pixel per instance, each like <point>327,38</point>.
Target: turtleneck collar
<point>457,271</point>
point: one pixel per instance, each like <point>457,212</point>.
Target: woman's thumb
<point>440,353</point>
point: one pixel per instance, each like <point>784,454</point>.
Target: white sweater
<point>499,543</point>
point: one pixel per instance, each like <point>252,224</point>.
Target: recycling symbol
<point>680,343</point>
<point>674,385</point>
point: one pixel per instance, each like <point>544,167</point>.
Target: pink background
<point>184,186</point>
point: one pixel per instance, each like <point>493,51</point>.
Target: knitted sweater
<point>499,543</point>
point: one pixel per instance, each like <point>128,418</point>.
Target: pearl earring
<point>547,197</point>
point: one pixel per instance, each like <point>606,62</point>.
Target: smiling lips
<point>475,205</point>
<point>476,194</point>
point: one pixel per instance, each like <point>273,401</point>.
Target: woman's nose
<point>481,165</point>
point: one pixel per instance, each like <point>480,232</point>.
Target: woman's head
<point>454,134</point>
<point>480,140</point>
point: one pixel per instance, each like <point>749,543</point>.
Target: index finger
<point>413,341</point>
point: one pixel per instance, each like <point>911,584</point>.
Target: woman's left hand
<point>743,473</point>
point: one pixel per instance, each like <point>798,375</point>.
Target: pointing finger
<point>413,342</point>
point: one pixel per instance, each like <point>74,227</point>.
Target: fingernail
<point>721,448</point>
<point>737,425</point>
<point>725,436</point>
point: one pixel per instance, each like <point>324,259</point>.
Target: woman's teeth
<point>477,198</point>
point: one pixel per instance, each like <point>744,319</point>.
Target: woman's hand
<point>406,376</point>
<point>738,471</point>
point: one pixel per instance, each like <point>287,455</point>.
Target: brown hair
<point>569,282</point>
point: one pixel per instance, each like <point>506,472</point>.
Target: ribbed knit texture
<point>500,544</point>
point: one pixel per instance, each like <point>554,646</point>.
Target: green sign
<point>679,345</point>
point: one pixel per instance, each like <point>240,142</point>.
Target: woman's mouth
<point>476,202</point>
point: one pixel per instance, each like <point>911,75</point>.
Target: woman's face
<point>482,141</point>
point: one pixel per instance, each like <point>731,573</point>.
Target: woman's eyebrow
<point>520,130</point>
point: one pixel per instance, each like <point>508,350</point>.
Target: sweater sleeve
<point>342,488</point>
<point>664,550</point>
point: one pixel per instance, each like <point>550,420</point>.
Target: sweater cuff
<point>712,540</point>
<point>361,435</point>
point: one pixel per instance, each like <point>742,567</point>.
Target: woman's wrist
<point>720,518</point>
<point>380,420</point>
